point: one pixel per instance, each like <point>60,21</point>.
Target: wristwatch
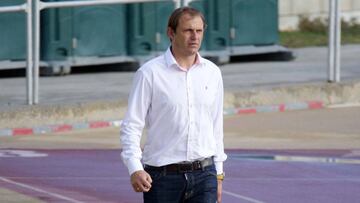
<point>220,176</point>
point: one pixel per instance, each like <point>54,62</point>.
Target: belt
<point>183,167</point>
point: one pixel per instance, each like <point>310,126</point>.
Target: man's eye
<point>193,31</point>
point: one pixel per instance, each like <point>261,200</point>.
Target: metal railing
<point>33,36</point>
<point>39,6</point>
<point>334,41</point>
<point>27,8</point>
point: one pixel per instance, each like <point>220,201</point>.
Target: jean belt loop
<point>202,167</point>
<point>211,160</point>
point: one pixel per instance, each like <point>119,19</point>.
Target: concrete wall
<point>290,10</point>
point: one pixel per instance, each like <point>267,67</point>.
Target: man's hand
<point>141,181</point>
<point>219,191</point>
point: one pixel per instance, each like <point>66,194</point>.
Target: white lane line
<point>297,179</point>
<point>343,105</point>
<point>40,190</point>
<point>64,178</point>
<point>249,199</point>
<point>353,153</point>
<point>233,178</point>
<point>308,159</point>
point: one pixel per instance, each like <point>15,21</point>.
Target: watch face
<point>220,176</point>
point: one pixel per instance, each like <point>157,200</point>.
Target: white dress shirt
<point>182,111</point>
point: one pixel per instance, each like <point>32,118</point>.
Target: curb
<point>58,128</point>
<point>103,124</point>
<point>275,108</point>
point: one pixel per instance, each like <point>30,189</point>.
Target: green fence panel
<point>147,24</point>
<point>201,5</point>
<point>56,33</point>
<point>99,30</point>
<point>255,22</point>
<point>217,19</point>
<point>218,25</point>
<point>83,31</point>
<point>12,33</point>
<point>238,22</point>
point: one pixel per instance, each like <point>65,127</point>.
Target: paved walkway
<point>103,95</point>
<point>309,67</point>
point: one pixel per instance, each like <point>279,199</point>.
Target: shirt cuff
<point>219,167</point>
<point>135,165</point>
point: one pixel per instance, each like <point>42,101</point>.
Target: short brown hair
<point>177,13</point>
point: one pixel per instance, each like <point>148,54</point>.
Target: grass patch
<point>302,39</point>
<point>315,33</point>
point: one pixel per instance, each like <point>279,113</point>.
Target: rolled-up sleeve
<point>134,122</point>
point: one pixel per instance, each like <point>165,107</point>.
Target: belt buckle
<point>198,165</point>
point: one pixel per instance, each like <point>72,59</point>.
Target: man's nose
<point>194,35</point>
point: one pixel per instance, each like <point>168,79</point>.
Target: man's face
<point>188,36</point>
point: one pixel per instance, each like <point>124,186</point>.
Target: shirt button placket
<point>190,114</point>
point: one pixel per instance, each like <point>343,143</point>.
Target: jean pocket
<point>211,171</point>
<point>155,175</point>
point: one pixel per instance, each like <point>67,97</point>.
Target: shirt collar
<point>170,59</point>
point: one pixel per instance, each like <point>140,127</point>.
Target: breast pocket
<point>209,94</point>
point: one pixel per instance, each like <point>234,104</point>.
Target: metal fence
<point>34,7</point>
<point>27,7</point>
<point>39,6</point>
<point>334,41</point>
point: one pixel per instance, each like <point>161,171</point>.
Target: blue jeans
<point>190,187</point>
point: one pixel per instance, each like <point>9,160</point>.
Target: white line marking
<point>242,197</point>
<point>296,179</point>
<point>65,178</point>
<point>353,153</point>
<point>40,190</point>
<point>316,159</point>
<point>21,153</point>
<point>343,105</point>
<point>330,160</point>
<point>232,178</point>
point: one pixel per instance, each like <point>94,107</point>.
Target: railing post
<point>36,47</point>
<point>334,41</point>
<point>337,42</point>
<point>29,58</point>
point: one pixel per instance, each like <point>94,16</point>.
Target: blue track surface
<point>251,176</point>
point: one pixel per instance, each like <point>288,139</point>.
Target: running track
<point>257,176</point>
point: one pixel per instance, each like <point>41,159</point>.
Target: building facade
<point>291,10</point>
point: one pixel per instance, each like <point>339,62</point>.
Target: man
<point>178,96</point>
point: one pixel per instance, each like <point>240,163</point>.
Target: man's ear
<point>170,33</point>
